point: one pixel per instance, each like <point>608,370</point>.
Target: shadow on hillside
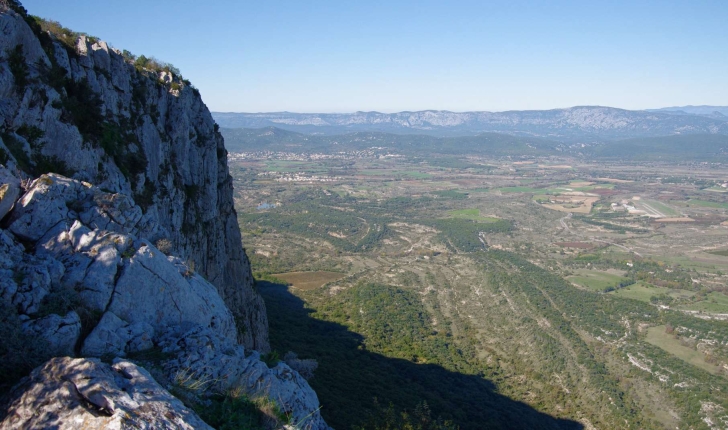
<point>349,377</point>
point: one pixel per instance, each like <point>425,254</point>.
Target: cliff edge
<point>122,274</point>
<point>71,104</point>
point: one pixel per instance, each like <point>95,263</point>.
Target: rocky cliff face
<point>133,250</point>
<point>85,111</point>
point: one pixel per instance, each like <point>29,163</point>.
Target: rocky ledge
<point>79,280</point>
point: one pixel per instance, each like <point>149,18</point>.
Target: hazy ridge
<point>581,123</point>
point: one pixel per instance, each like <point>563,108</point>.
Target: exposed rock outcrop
<point>81,244</point>
<point>84,393</point>
<point>140,162</point>
<point>139,132</point>
<point>73,247</point>
<point>203,355</point>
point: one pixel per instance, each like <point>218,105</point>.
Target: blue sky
<point>344,56</point>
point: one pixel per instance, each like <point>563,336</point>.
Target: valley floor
<point>531,293</point>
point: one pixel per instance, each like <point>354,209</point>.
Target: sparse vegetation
<point>18,67</point>
<point>470,294</point>
<point>20,352</point>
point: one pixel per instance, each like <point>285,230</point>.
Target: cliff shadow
<point>349,377</point>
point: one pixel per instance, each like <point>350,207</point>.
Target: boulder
<point>66,393</point>
<point>43,206</point>
<point>60,333</point>
<point>117,337</point>
<point>152,290</point>
<point>218,365</point>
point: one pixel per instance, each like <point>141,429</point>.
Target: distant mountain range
<point>686,147</point>
<point>716,112</point>
<point>576,124</point>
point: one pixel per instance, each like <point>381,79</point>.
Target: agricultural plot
<point>572,203</point>
<point>643,291</point>
<point>714,302</point>
<point>658,337</point>
<point>594,280</point>
<point>309,280</point>
<point>707,204</point>
<point>477,255</point>
<point>471,214</point>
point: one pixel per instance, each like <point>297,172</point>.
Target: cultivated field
<point>628,249</point>
<point>309,280</point>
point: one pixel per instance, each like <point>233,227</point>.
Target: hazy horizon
<point>412,56</point>
<point>452,111</point>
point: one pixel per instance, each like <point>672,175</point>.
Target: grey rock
<point>34,283</point>
<point>60,333</point>
<point>305,367</point>
<point>67,393</point>
<point>186,165</point>
<point>98,284</point>
<point>116,337</point>
<point>16,32</point>
<point>104,339</point>
<point>42,206</point>
<point>217,365</point>
<point>151,290</point>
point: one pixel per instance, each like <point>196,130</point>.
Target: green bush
<point>271,359</point>
<point>16,62</point>
<point>15,147</point>
<point>19,352</point>
<point>64,35</point>
<point>32,134</point>
<point>419,419</point>
<point>83,106</point>
<point>146,197</point>
<point>4,157</point>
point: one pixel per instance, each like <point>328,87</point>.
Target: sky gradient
<point>389,56</point>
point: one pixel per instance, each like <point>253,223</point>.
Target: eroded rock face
<point>71,247</point>
<point>82,245</point>
<point>114,336</point>
<point>60,333</point>
<point>174,158</point>
<point>201,354</point>
<point>84,393</point>
<point>78,265</point>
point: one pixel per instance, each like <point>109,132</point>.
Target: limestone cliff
<point>119,242</point>
<point>78,107</point>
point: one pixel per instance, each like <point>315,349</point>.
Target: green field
<point>293,166</point>
<point>473,214</point>
<point>658,337</point>
<point>394,173</point>
<point>715,302</point>
<point>375,172</point>
<point>707,204</point>
<point>593,187</point>
<point>412,174</point>
<point>690,263</point>
<point>641,291</point>
<point>595,280</point>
